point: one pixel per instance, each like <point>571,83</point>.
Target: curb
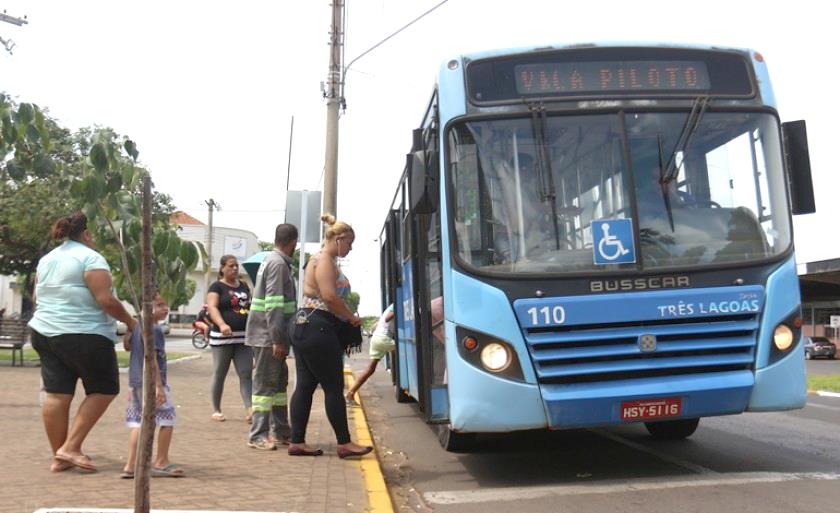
<point>124,370</point>
<point>824,393</point>
<point>379,500</point>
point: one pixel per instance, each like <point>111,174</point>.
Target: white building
<point>226,241</point>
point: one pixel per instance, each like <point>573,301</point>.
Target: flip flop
<point>60,466</point>
<point>127,474</point>
<point>352,403</point>
<point>171,470</point>
<point>82,461</point>
<point>218,416</point>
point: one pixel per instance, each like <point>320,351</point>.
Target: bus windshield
<point>701,189</point>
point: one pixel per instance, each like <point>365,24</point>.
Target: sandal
<point>218,416</point>
<point>171,470</point>
<point>127,474</point>
<point>60,466</point>
<point>82,461</point>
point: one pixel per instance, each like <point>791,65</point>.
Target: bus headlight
<point>489,354</point>
<point>495,357</point>
<point>783,337</point>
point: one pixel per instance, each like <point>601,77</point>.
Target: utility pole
<point>334,94</point>
<point>289,166</point>
<point>334,100</point>
<point>211,205</point>
<point>8,44</point>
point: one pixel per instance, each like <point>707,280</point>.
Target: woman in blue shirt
<point>74,332</point>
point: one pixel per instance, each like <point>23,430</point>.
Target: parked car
<point>819,347</point>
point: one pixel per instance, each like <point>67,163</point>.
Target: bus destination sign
<point>551,78</point>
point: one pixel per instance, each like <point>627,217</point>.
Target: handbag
<point>350,337</point>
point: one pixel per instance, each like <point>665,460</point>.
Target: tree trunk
<point>142,468</point>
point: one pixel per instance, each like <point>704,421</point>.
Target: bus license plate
<point>651,409</point>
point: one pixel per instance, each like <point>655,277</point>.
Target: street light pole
<point>334,93</point>
<point>211,205</point>
<point>333,96</point>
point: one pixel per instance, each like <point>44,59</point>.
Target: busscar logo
<point>650,283</point>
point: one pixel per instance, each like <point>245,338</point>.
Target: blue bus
<point>594,235</point>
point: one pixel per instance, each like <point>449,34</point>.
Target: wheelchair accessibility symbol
<point>613,241</point>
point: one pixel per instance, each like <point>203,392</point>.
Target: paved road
<point>769,462</point>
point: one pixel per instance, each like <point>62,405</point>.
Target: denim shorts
<point>65,359</point>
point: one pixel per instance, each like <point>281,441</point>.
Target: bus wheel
<point>672,429</point>
<point>453,441</point>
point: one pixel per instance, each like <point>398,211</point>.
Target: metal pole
<point>211,205</point>
<point>302,237</point>
<point>289,166</point>
<point>333,101</point>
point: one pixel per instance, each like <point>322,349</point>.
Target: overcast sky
<point>207,89</point>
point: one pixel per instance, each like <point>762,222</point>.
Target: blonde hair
<point>336,228</point>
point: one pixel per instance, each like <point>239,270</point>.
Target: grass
<point>829,382</point>
<point>31,357</point>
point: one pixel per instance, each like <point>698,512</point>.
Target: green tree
<point>352,301</point>
<point>47,171</point>
<point>37,161</point>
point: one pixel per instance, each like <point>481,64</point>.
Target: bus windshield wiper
<point>668,171</point>
<point>542,165</point>
<point>664,183</point>
<point>689,128</point>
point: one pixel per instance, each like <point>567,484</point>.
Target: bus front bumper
<point>606,403</point>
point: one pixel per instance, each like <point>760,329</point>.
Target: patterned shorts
<point>164,414</point>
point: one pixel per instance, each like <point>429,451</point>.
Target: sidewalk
<point>223,474</point>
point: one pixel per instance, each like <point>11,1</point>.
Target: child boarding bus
<point>594,235</point>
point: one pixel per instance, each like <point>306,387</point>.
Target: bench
<point>13,333</point>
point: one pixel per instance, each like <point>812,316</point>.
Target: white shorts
<point>380,345</point>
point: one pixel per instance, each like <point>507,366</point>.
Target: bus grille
<point>608,352</point>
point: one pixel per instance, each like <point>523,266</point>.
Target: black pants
<point>318,361</point>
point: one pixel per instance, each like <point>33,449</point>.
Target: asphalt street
<point>754,462</point>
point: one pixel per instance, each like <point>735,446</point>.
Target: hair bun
<point>328,219</point>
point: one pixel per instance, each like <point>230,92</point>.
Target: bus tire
<point>672,429</point>
<point>453,441</point>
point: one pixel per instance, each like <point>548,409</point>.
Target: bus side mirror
<point>422,184</point>
<point>799,167</point>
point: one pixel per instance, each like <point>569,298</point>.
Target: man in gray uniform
<point>272,308</point>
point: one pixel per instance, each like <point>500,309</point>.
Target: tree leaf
<point>16,170</point>
<point>43,166</point>
<point>159,243</point>
<point>9,131</point>
<point>173,247</point>
<point>189,255</point>
<point>114,182</point>
<point>131,149</point>
<point>32,134</point>
<point>98,157</point>
<point>24,114</point>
